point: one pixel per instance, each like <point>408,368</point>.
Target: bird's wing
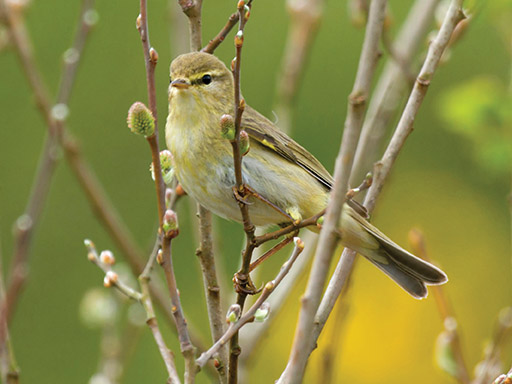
<point>266,133</point>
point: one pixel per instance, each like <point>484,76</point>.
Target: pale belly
<point>204,167</point>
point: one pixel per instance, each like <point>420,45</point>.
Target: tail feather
<point>407,270</point>
<point>412,285</point>
<point>410,272</point>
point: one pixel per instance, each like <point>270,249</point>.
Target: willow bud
<point>170,224</point>
<point>140,120</point>
<point>244,143</point>
<point>239,39</point>
<point>227,127</point>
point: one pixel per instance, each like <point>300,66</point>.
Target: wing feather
<point>266,133</point>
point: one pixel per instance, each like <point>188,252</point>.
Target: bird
<point>288,182</point>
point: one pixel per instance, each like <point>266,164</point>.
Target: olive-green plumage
<point>276,167</point>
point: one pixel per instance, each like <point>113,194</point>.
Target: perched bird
<point>276,168</point>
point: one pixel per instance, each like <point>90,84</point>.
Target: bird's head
<point>201,78</point>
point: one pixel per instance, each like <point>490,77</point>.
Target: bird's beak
<point>180,84</point>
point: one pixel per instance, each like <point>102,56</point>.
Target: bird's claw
<point>244,285</point>
<point>240,196</point>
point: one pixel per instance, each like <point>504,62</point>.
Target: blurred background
<point>452,181</point>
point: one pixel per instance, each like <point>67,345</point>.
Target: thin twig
<point>405,125</point>
<point>9,370</point>
<point>144,298</point>
<point>151,321</point>
<point>249,314</point>
<point>186,346</point>
<point>93,189</point>
<point>382,168</point>
<point>211,286</point>
<point>255,336</point>
<point>192,8</point>
<point>249,228</point>
<point>259,240</point>
<point>391,87</point>
<point>502,331</point>
<point>417,241</point>
<point>151,58</point>
<point>27,222</point>
<point>328,239</point>
<point>304,21</point>
<point>217,40</point>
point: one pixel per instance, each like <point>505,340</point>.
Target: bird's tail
<point>408,271</point>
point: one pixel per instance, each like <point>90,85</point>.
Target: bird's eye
<point>206,79</point>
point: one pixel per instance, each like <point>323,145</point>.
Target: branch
<point>151,58</point>
<point>27,222</point>
<point>192,8</point>
<point>304,21</point>
<point>217,40</point>
<point>239,189</point>
<point>249,315</point>
<point>211,286</point>
<point>344,267</point>
<point>391,87</point>
<point>417,241</point>
<point>405,125</point>
<point>9,370</point>
<point>502,330</point>
<point>105,261</point>
<point>93,189</point>
<point>328,239</point>
<point>151,321</point>
<point>279,298</point>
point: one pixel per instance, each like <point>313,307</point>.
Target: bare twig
<point>304,21</point>
<point>405,125</point>
<point>211,286</point>
<point>382,168</point>
<point>249,228</point>
<point>105,262</point>
<point>151,58</point>
<point>26,224</point>
<point>249,314</point>
<point>417,241</point>
<point>192,8</point>
<point>217,40</point>
<point>253,338</point>
<point>485,370</point>
<point>391,87</point>
<point>152,323</point>
<point>328,239</point>
<point>9,370</point>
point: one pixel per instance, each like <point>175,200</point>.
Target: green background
<point>439,185</point>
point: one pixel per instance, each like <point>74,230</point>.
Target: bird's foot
<point>241,195</point>
<point>244,285</point>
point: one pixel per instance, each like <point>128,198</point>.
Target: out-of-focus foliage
<point>481,110</point>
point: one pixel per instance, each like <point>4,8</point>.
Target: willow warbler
<point>276,168</point>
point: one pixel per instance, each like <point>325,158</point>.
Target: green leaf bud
<point>234,313</point>
<point>227,127</point>
<point>244,143</point>
<point>262,312</point>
